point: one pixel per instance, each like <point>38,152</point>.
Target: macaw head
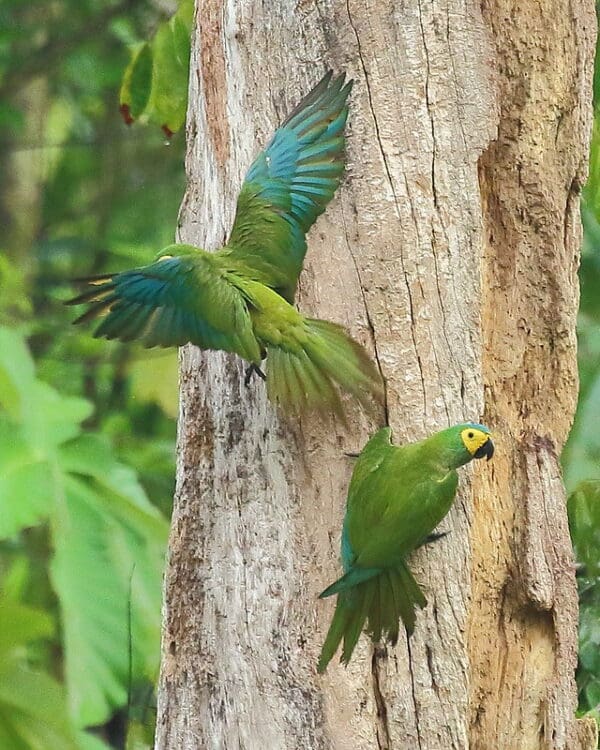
<point>464,442</point>
<point>477,440</point>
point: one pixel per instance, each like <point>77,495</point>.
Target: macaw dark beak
<point>486,450</point>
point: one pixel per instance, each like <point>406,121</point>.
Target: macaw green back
<point>397,496</point>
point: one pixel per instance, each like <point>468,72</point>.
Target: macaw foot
<point>253,370</point>
<point>351,455</point>
<point>434,537</point>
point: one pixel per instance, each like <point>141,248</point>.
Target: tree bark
<point>451,251</point>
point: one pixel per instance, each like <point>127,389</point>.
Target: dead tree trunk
<point>451,250</point>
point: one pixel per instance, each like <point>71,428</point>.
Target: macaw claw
<point>253,370</point>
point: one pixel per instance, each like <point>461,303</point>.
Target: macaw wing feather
<point>371,457</point>
<point>173,301</point>
<point>289,185</point>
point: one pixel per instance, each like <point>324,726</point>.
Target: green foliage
<point>33,709</point>
<point>155,83</point>
<point>84,490</point>
<point>584,520</point>
<point>137,82</point>
<point>107,540</point>
<point>581,458</point>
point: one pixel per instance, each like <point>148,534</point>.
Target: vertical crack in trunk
<point>383,731</point>
<point>428,105</point>
<point>368,318</point>
<point>413,692</point>
<point>388,173</point>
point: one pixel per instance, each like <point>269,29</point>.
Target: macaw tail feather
<point>307,375</point>
<point>381,601</point>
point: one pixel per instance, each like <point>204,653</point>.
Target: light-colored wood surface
<point>451,252</point>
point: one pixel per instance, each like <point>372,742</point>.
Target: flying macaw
<point>397,496</point>
<point>240,298</point>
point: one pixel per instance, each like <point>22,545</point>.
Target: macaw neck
<point>446,450</point>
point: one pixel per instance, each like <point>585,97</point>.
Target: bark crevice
<point>369,320</point>
<point>383,730</point>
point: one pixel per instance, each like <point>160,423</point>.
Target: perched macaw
<point>240,298</point>
<point>397,496</point>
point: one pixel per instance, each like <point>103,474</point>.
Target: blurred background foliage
<point>87,427</point>
<point>581,457</point>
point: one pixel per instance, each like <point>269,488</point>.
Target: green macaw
<point>240,298</point>
<point>397,496</point>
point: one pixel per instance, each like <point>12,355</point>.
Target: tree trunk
<point>451,251</point>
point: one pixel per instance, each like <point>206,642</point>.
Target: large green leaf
<point>108,545</point>
<point>16,372</point>
<point>33,713</point>
<point>37,420</point>
<point>109,548</point>
<point>53,418</point>
<point>155,82</point>
<point>137,83</point>
<point>33,709</point>
<point>584,522</point>
<point>26,482</point>
<point>121,538</point>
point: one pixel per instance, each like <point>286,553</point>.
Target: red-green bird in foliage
<point>397,496</point>
<point>240,298</point>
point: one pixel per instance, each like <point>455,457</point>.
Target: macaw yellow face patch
<point>473,439</point>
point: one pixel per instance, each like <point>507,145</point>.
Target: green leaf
<point>156,380</point>
<point>21,624</point>
<point>583,454</point>
<point>15,579</point>
<point>26,483</point>
<point>90,455</point>
<point>108,545</point>
<point>100,547</point>
<point>53,418</point>
<point>584,521</point>
<point>137,83</point>
<point>16,372</point>
<point>33,713</point>
<point>168,100</point>
<point>90,742</point>
<point>14,302</point>
<point>138,737</point>
<point>155,83</point>
<point>592,693</point>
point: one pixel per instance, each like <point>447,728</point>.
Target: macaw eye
<point>471,435</point>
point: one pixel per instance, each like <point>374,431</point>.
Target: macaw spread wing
<point>289,185</point>
<point>187,298</point>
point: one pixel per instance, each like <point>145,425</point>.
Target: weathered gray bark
<point>451,251</point>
